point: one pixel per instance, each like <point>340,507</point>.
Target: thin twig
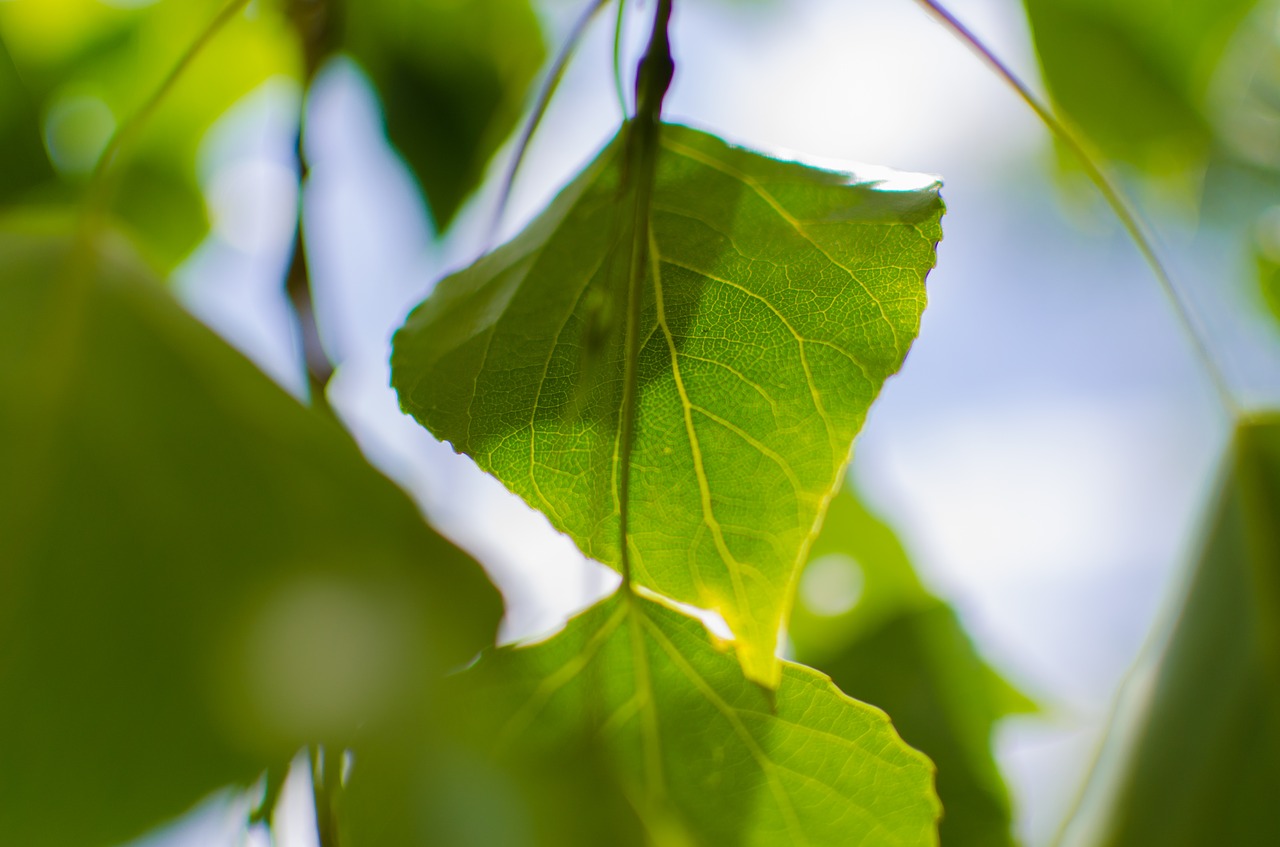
<point>315,24</point>
<point>547,91</point>
<point>324,789</point>
<point>101,184</point>
<point>1115,198</point>
<point>619,83</point>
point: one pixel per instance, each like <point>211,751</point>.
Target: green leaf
<point>780,299</point>
<point>641,696</point>
<point>1207,756</point>
<point>1135,75</point>
<point>26,165</point>
<point>197,574</point>
<point>452,78</point>
<point>864,618</point>
<point>1268,281</point>
<point>90,68</point>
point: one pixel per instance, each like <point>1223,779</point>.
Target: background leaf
<point>197,575</point>
<point>645,698</point>
<point>1135,76</point>
<point>782,298</point>
<point>26,164</point>
<point>1208,749</point>
<point>863,617</point>
<point>452,78</point>
<point>90,66</point>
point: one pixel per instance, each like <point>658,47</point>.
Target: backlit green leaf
<point>704,756</point>
<point>197,574</point>
<point>1206,759</point>
<point>779,300</point>
<point>863,617</point>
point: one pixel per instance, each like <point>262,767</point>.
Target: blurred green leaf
<point>644,698</point>
<point>1206,759</point>
<point>1269,283</point>
<point>197,574</point>
<point>783,297</point>
<point>863,617</point>
<point>90,67</point>
<point>1134,75</point>
<point>25,163</point>
<point>452,78</point>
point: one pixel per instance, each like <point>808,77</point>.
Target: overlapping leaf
<point>86,67</point>
<point>864,618</point>
<point>1207,755</point>
<point>640,698</point>
<point>197,574</point>
<point>452,78</point>
<point>779,299</point>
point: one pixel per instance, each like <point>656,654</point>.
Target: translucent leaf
<point>197,575</point>
<point>452,78</point>
<point>1206,757</point>
<point>642,698</point>
<point>864,618</point>
<point>779,300</point>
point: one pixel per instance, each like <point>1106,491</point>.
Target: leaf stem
<point>274,778</point>
<point>1120,205</point>
<point>316,361</point>
<point>547,91</point>
<point>314,21</point>
<point>325,784</point>
<point>101,184</point>
<point>640,151</point>
<point>618,27</point>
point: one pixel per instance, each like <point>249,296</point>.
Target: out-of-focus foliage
<point>26,165</point>
<point>1187,93</point>
<point>83,67</point>
<point>197,575</point>
<point>863,617</point>
<point>634,724</point>
<point>452,77</point>
<point>1207,758</point>
<point>778,300</point>
<point>1135,76</point>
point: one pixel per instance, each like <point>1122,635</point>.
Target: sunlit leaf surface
<point>863,617</point>
<point>704,756</point>
<point>1206,759</point>
<point>779,299</point>
<point>197,574</point>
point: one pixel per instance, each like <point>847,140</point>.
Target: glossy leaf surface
<point>197,575</point>
<point>1207,755</point>
<point>863,617</point>
<point>704,756</point>
<point>779,299</point>
<point>452,78</point>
